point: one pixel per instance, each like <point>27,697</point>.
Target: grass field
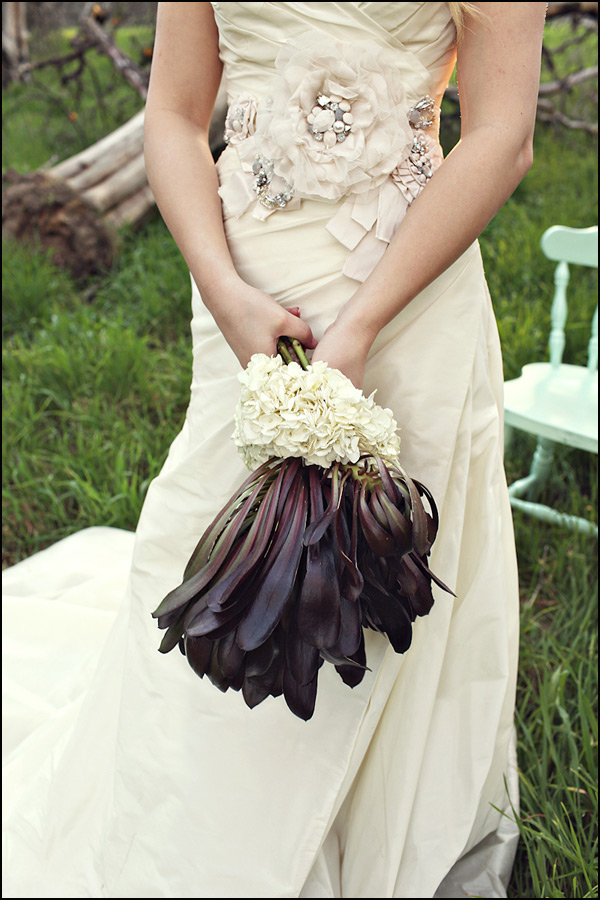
<point>96,381</point>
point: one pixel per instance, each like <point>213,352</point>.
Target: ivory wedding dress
<point>128,776</point>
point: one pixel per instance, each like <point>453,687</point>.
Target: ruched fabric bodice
<point>251,35</point>
<point>337,103</point>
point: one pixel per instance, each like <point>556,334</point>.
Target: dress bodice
<point>337,103</point>
<point>422,34</point>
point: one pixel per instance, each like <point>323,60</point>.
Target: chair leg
<point>539,473</point>
<point>547,514</point>
<point>541,466</point>
<point>530,486</point>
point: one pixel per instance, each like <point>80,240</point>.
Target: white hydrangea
<point>315,414</point>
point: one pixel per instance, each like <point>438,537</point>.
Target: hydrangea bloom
<point>317,414</point>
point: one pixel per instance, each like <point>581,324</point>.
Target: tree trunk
<point>14,41</point>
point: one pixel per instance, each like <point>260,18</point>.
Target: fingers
<point>297,328</point>
<point>305,336</point>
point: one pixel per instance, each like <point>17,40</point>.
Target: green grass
<point>557,720</point>
<point>94,388</point>
<point>96,383</point>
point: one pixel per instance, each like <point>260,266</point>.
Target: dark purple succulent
<point>293,568</point>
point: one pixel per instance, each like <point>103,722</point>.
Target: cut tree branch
<point>548,113</point>
<point>122,62</point>
<point>569,81</point>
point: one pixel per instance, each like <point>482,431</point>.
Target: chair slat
<point>558,314</point>
<point>573,245</point>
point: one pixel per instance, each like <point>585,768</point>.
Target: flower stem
<point>300,353</point>
<point>291,350</point>
<point>284,350</point>
<point>361,472</point>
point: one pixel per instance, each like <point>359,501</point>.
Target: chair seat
<point>556,402</point>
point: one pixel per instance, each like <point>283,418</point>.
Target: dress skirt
<point>127,776</point>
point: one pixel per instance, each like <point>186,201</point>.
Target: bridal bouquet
<point>327,536</point>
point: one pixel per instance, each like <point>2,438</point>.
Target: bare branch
<point>569,81</point>
<point>123,63</point>
<point>58,61</point>
<point>548,113</point>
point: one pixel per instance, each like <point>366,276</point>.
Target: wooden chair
<point>553,400</point>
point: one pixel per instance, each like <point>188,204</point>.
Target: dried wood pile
<point>76,207</point>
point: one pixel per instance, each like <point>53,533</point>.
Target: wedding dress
<point>128,776</point>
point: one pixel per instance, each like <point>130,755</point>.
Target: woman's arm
<point>185,78</point>
<point>498,74</point>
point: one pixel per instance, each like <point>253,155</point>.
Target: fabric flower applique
<point>413,173</point>
<point>336,123</point>
<point>240,122</point>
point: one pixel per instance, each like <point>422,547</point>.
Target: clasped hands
<point>251,322</point>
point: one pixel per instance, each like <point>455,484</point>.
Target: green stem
<point>284,350</point>
<point>300,353</point>
<point>291,350</point>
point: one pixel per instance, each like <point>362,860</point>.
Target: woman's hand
<point>251,321</point>
<point>345,346</point>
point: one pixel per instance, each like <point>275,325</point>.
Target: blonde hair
<point>458,11</point>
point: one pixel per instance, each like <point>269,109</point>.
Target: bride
<point>330,217</point>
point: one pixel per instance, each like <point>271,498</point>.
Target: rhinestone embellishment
<point>240,121</point>
<point>264,172</point>
<point>331,120</point>
<point>422,114</point>
<point>234,122</point>
<point>419,161</point>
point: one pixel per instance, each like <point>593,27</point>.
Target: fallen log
<point>38,210</point>
<point>74,208</point>
<point>100,162</point>
<point>102,188</point>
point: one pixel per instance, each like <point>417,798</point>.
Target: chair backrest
<point>578,246</point>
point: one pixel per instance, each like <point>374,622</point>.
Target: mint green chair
<point>553,400</point>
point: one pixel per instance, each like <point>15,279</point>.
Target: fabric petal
<point>344,228</point>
